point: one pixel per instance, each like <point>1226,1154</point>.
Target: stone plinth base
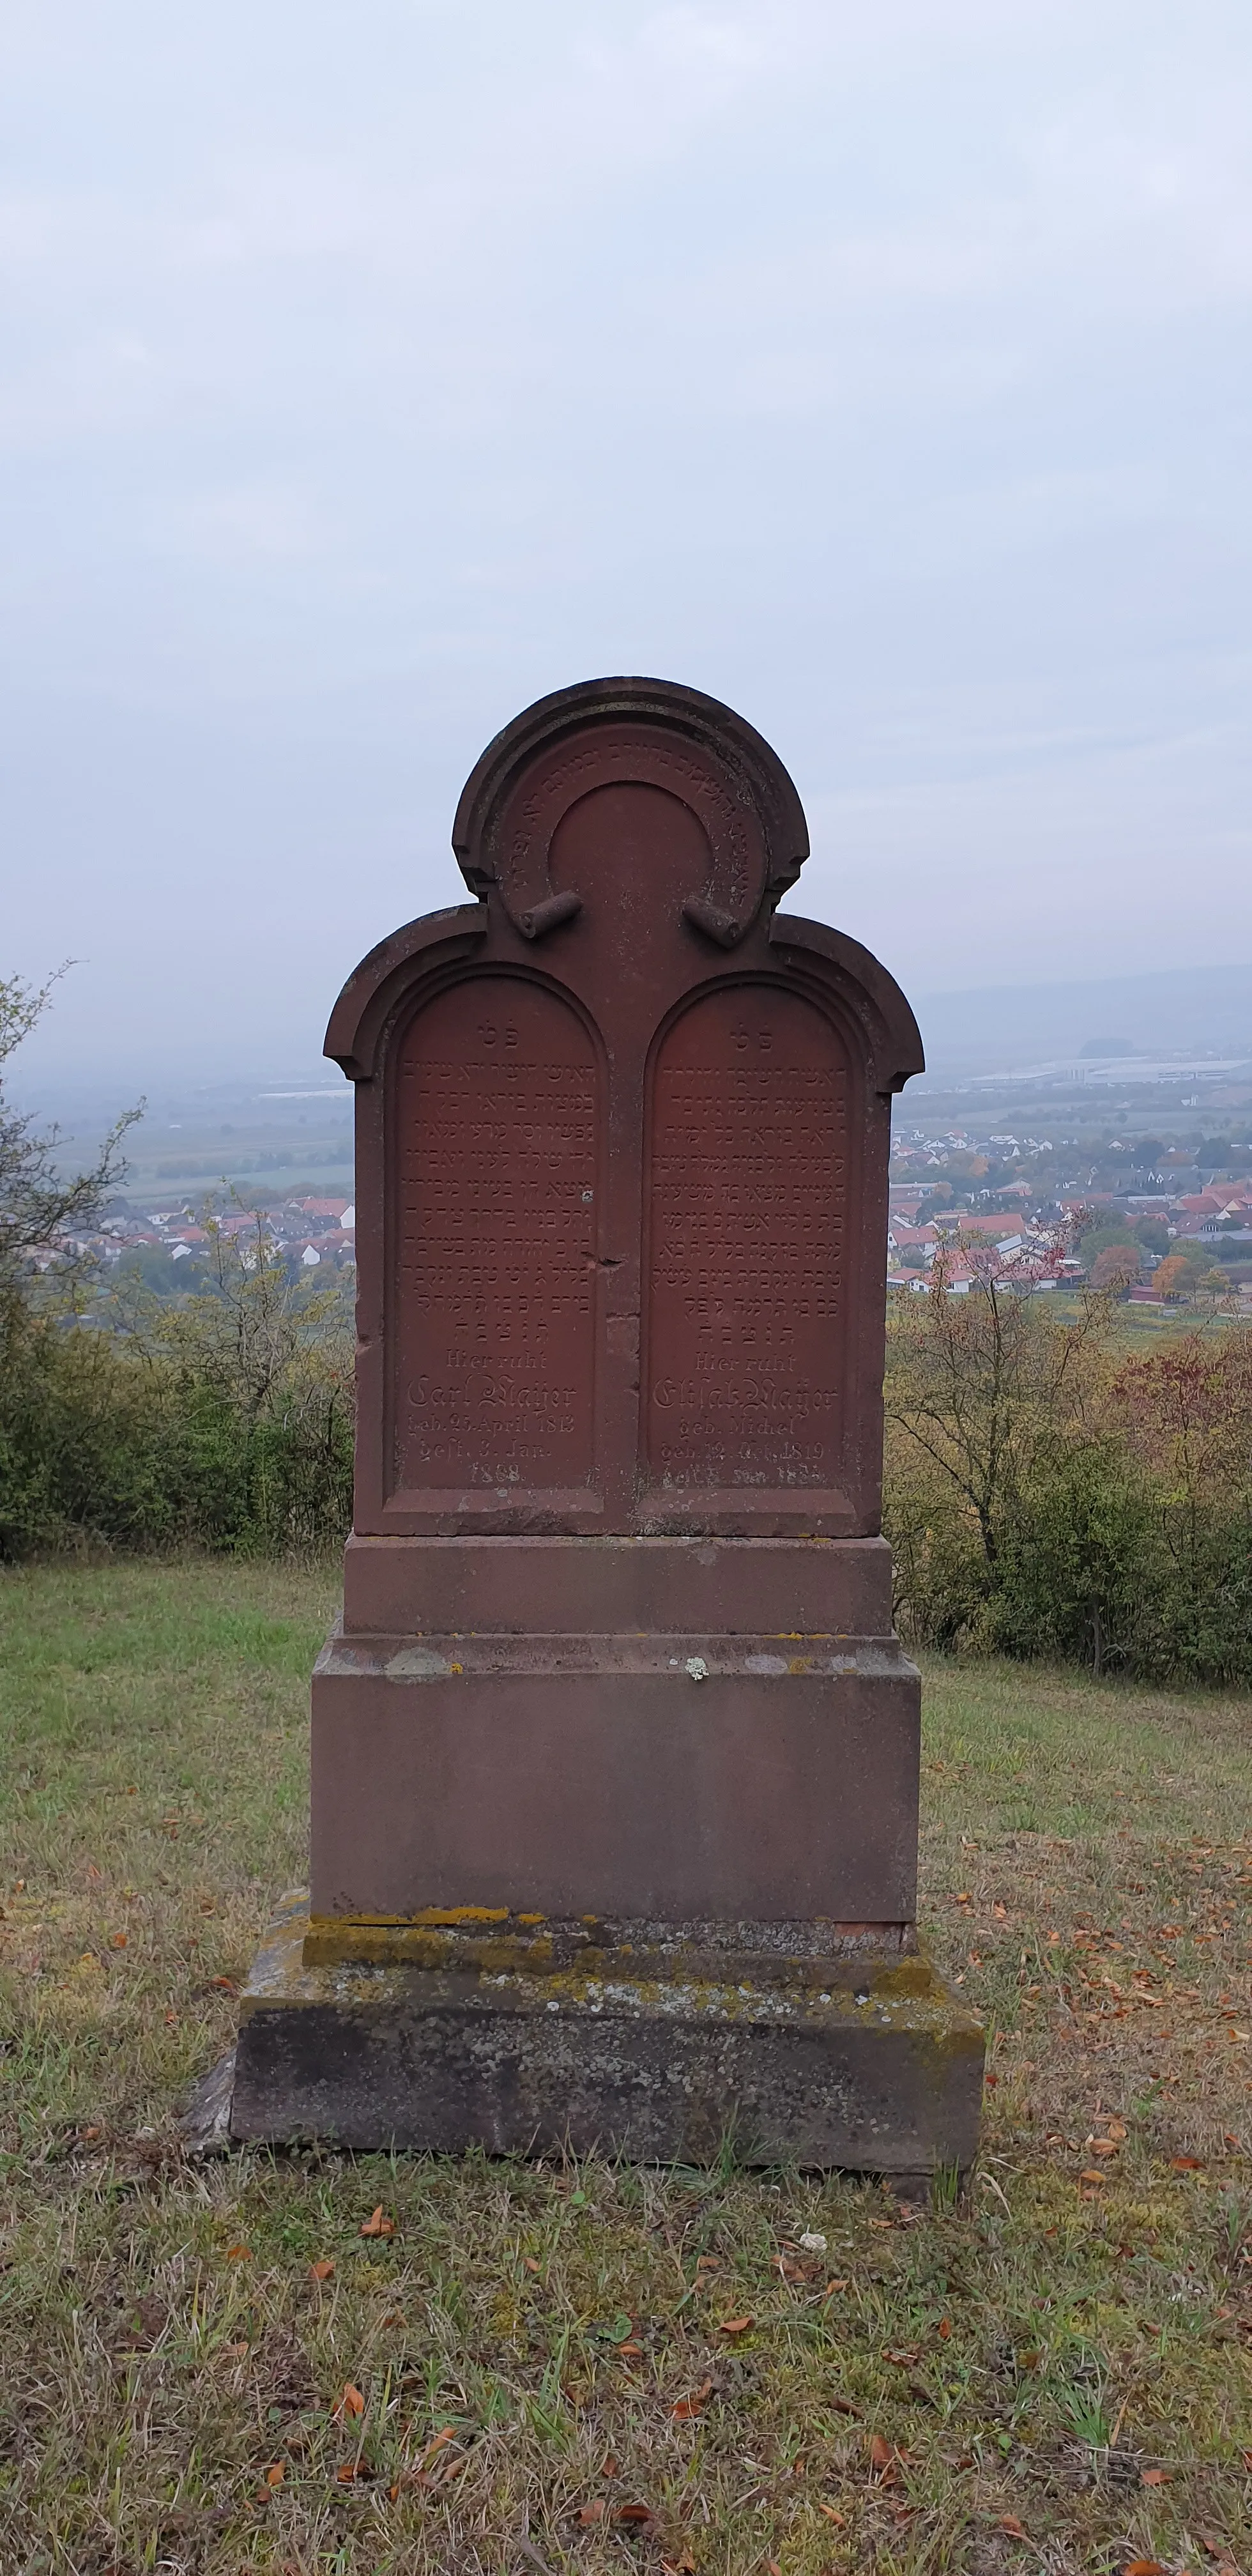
<point>666,1727</point>
<point>797,2043</point>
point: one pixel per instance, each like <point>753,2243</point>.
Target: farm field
<point>235,2365</point>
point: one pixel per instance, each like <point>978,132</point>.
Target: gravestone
<point>615,1755</point>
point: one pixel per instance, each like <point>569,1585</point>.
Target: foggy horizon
<point>367,380</point>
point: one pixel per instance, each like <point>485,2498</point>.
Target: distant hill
<point>1002,1028</point>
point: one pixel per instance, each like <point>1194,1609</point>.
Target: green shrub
<point>1079,1548</point>
<point>1044,1498</point>
<point>103,1445</point>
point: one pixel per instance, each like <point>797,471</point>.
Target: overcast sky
<point>371,369</point>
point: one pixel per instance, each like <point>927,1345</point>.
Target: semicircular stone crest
<point>749,839</point>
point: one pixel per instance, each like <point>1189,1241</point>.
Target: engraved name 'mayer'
<point>504,1395</point>
<point>754,1392</point>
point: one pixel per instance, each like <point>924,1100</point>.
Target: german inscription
<point>747,1214</point>
<point>495,1152</point>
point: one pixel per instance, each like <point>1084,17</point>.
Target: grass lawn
<point>211,2367</point>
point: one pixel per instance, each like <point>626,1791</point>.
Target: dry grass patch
<point>214,2369</point>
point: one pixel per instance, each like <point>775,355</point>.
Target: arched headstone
<point>615,1755</point>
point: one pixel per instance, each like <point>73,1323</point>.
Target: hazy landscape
<point>473,2103</point>
<point>1031,1053</point>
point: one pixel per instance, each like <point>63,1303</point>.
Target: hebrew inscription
<point>746,1226</point>
<point>494,1326</point>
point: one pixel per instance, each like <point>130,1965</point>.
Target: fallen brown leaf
<point>593,2512</point>
<point>833,2515</point>
<point>1145,2567</point>
<point>1156,2477</point>
<point>322,2269</point>
<point>636,2513</point>
<point>1015,2529</point>
<point>351,2401</point>
<point>239,2253</point>
<point>1091,2173</point>
<point>274,2477</point>
<point>346,2472</point>
<point>735,2325</point>
<point>439,2442</point>
<point>379,2225</point>
<point>904,2356</point>
<point>880,2452</point>
<point>532,2265</point>
<point>945,2327</point>
<point>844,2406</point>
<point>695,2403</point>
<point>1186,2164</point>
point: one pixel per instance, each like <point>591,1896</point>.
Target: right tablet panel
<point>747,1309</point>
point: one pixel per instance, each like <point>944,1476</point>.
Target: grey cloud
<point>369,372</point>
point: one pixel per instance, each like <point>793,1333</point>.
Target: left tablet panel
<point>493,1191</point>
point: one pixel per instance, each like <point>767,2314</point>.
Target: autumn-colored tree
<point>977,1381</point>
<point>1213,1286</point>
<point>1173,1276</point>
<point>1185,1413</point>
<point>251,1326</point>
<point>1115,1269</point>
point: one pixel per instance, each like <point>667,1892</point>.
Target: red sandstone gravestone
<point>615,1755</point>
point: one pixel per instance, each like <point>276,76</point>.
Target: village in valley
<point>1109,1169</point>
<point>952,1193</point>
<point>309,1234</point>
<point>1089,1198</point>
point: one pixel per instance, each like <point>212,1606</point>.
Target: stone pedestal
<point>627,1884</point>
<point>663,2042</point>
<point>639,1727</point>
<point>615,1755</point>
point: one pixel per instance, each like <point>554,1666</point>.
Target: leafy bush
<point>1045,1498</point>
<point>222,1421</point>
